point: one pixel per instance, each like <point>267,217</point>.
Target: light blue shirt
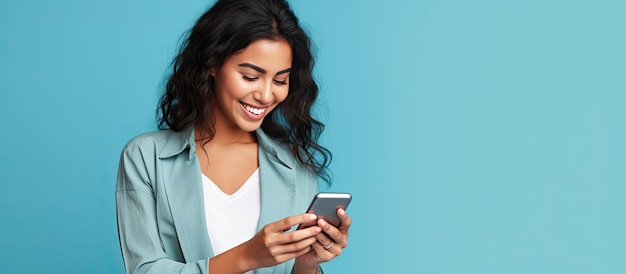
<point>160,206</point>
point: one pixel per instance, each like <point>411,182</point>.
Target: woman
<point>221,187</point>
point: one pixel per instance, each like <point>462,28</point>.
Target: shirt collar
<point>280,151</point>
<point>184,141</point>
<point>178,142</point>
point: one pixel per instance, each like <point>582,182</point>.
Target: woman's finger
<point>346,221</point>
<point>287,223</point>
<point>293,246</point>
<point>321,253</point>
<point>335,234</point>
<point>295,236</point>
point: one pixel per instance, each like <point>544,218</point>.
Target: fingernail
<point>318,229</point>
<point>312,217</point>
<point>341,211</point>
<point>322,222</point>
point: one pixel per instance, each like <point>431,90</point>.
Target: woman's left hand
<point>329,244</point>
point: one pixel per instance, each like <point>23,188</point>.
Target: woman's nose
<point>264,95</point>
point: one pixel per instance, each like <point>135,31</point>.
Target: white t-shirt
<point>232,219</point>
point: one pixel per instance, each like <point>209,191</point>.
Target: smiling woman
<point>222,185</point>
<point>251,83</point>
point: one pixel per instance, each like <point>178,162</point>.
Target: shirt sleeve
<point>319,270</point>
<point>141,246</point>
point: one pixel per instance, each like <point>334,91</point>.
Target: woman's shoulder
<point>162,141</point>
<point>149,139</point>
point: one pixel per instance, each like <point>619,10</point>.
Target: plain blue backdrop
<point>476,136</point>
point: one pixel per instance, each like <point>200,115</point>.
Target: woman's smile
<point>253,112</point>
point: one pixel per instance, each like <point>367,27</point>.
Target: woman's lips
<point>253,112</point>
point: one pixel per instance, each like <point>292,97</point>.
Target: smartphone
<point>325,205</point>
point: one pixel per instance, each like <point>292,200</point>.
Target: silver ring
<point>329,245</point>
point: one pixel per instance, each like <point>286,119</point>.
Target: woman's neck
<point>231,134</point>
<point>226,133</point>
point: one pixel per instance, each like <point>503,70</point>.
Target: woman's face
<point>251,83</point>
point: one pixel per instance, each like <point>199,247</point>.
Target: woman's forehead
<point>269,55</point>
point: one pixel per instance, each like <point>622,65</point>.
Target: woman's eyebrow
<point>262,71</point>
<point>283,71</point>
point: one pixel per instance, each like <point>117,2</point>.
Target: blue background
<point>476,136</point>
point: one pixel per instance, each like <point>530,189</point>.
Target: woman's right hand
<point>272,245</point>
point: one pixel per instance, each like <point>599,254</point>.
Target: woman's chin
<point>248,126</point>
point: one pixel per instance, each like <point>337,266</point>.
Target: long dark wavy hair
<point>226,28</point>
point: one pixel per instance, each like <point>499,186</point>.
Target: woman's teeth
<point>255,111</point>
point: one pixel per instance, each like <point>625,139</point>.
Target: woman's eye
<point>281,83</point>
<point>248,78</point>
